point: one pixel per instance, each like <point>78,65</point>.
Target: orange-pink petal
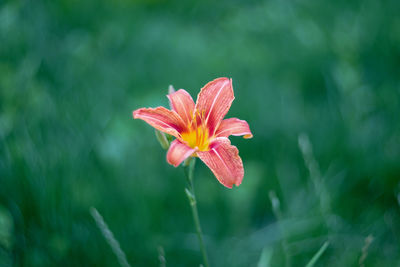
<point>162,119</point>
<point>178,152</point>
<point>182,103</point>
<point>214,101</point>
<point>233,126</point>
<point>224,161</point>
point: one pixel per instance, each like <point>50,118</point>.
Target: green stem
<point>188,168</point>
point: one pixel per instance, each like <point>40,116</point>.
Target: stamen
<point>197,135</point>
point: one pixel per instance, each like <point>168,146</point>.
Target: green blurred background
<point>318,82</point>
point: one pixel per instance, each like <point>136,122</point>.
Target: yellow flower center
<point>197,138</point>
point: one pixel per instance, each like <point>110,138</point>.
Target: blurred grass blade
<point>6,237</point>
<point>108,235</point>
<point>161,256</point>
<point>315,173</point>
<point>318,254</point>
<point>364,252</point>
<point>276,207</point>
<point>6,228</point>
<point>265,258</point>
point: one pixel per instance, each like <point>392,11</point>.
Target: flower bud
<point>171,89</point>
<point>162,139</point>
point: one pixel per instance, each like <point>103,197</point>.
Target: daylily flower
<point>200,129</point>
